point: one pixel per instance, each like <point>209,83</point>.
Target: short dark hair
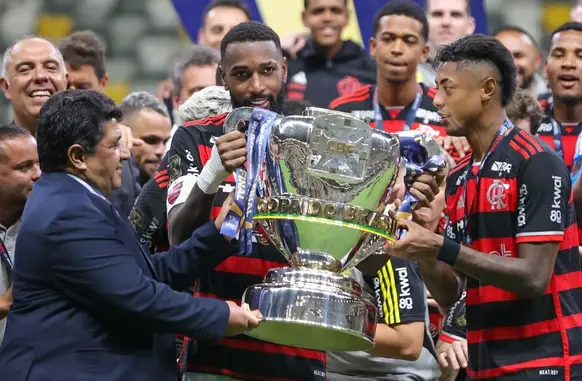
<point>515,28</point>
<point>84,48</point>
<point>467,9</point>
<point>478,49</point>
<point>306,3</point>
<point>198,55</point>
<point>402,8</point>
<point>525,106</point>
<point>570,25</point>
<point>72,117</point>
<point>12,131</point>
<point>238,4</point>
<point>250,31</point>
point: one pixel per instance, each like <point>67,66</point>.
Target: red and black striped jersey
<point>523,197</point>
<point>239,357</point>
<point>361,104</point>
<point>569,132</point>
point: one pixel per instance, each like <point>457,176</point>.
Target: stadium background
<point>143,37</point>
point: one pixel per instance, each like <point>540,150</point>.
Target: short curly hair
<point>250,31</point>
<point>84,48</point>
<point>524,106</point>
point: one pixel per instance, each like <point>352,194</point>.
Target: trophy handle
<point>235,117</point>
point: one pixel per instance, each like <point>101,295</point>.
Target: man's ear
<point>77,159</point>
<point>489,88</point>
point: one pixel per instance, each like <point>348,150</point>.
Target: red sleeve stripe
<point>215,120</point>
<point>523,331</point>
<point>519,149</point>
<point>461,164</point>
<point>521,141</point>
<point>531,140</point>
<point>449,338</point>
<point>359,95</point>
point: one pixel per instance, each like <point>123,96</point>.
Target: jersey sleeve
<point>399,292</point>
<point>543,194</point>
<point>455,325</point>
<point>184,166</point>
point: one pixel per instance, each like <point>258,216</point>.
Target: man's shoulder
<point>358,100</point>
<point>209,125</point>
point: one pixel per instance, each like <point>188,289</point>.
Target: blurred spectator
<point>524,111</point>
<point>218,18</point>
<point>397,102</point>
<point>192,72</point>
<point>526,56</point>
<point>32,70</point>
<point>561,124</point>
<point>149,121</point>
<point>18,171</point>
<point>448,21</point>
<point>84,55</point>
<point>327,67</point>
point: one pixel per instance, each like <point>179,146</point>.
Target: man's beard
<point>527,81</point>
<point>275,103</point>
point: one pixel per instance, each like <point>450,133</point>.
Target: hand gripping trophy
<point>315,187</point>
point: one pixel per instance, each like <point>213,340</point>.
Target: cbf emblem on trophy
<point>315,187</point>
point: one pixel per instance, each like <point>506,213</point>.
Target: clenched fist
<point>232,149</point>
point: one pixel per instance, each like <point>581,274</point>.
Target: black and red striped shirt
<point>361,104</point>
<point>524,197</point>
<point>569,131</point>
<point>240,357</point>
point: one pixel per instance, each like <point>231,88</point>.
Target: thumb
<point>394,194</point>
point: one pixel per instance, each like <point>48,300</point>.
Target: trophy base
<point>313,309</point>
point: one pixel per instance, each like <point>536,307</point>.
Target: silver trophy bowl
<point>327,178</point>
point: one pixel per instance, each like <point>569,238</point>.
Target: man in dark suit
<point>89,303</point>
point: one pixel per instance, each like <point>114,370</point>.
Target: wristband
<point>213,174</point>
<point>449,252</point>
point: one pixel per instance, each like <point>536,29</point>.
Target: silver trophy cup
<point>329,177</point>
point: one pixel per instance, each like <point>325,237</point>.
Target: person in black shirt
<point>327,66</point>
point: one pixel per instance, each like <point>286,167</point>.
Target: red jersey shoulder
<point>526,144</point>
<point>216,120</point>
<point>359,95</point>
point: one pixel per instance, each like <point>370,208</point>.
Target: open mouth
<point>260,102</point>
<point>328,31</point>
<point>40,94</point>
<point>568,80</point>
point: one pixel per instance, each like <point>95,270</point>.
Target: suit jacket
<point>90,304</point>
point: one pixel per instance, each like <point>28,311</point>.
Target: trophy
<point>315,187</point>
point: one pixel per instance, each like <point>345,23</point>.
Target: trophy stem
<point>315,260</point>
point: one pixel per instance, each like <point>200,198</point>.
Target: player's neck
<point>392,94</point>
<point>484,132</point>
<point>567,112</point>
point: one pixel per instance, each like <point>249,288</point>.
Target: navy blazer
<point>90,304</point>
